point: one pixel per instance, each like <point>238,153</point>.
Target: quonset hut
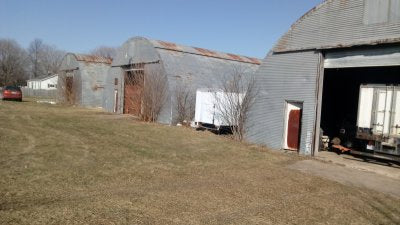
<point>311,78</point>
<point>81,79</point>
<point>195,67</point>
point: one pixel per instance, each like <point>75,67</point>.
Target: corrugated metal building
<point>196,67</point>
<point>81,79</point>
<point>316,69</point>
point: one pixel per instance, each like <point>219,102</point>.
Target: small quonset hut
<point>195,67</point>
<point>312,76</point>
<point>81,79</point>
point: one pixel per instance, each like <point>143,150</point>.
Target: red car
<point>12,93</point>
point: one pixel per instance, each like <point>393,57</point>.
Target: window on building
<point>116,81</point>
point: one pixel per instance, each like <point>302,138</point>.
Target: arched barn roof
<point>138,49</point>
<point>203,52</point>
<point>343,23</point>
<point>183,62</point>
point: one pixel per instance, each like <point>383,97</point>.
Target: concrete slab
<point>350,176</point>
<point>387,169</point>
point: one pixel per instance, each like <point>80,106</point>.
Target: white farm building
<point>43,83</point>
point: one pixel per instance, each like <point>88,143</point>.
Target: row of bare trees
<point>12,63</point>
<point>43,59</point>
<point>18,64</point>
<point>105,51</point>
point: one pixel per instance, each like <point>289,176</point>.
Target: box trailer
<point>210,107</point>
<point>378,119</point>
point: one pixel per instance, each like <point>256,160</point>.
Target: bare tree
<point>154,92</point>
<point>104,51</point>
<point>52,58</point>
<point>234,102</point>
<point>12,63</point>
<point>185,102</point>
<point>35,55</point>
<point>45,59</point>
<point>145,91</point>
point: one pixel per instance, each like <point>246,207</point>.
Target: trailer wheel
<point>336,141</point>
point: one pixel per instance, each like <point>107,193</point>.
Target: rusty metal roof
<point>92,58</point>
<point>204,52</point>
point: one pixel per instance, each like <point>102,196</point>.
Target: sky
<point>242,27</point>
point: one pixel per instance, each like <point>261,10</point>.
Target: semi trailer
<point>213,109</point>
<point>377,132</point>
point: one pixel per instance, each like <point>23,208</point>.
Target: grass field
<point>67,165</point>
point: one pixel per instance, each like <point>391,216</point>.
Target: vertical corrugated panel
<point>337,22</point>
<point>93,76</point>
<point>77,86</point>
<point>110,87</point>
<point>281,78</point>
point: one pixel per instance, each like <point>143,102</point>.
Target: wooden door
<point>293,132</point>
<point>133,93</point>
<point>69,92</point>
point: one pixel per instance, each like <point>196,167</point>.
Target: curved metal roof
<point>92,58</point>
<point>340,24</point>
<point>203,52</point>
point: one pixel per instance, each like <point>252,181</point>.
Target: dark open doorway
<point>341,95</point>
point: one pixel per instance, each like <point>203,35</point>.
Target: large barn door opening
<point>293,126</point>
<point>134,82</point>
<point>345,106</point>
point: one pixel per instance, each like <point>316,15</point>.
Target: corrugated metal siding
<point>135,50</point>
<point>363,57</point>
<point>283,77</point>
<point>110,87</point>
<point>93,79</point>
<point>88,81</point>
<point>178,63</point>
<point>337,23</point>
<point>69,63</point>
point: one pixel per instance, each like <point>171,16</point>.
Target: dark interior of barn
<point>341,92</point>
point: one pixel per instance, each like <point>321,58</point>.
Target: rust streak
<point>206,52</point>
<point>254,60</point>
<point>169,45</point>
<point>93,59</point>
<point>235,57</point>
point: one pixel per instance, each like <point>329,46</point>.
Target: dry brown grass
<point>61,165</point>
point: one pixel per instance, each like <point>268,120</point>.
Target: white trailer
<point>378,120</point>
<point>209,104</point>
